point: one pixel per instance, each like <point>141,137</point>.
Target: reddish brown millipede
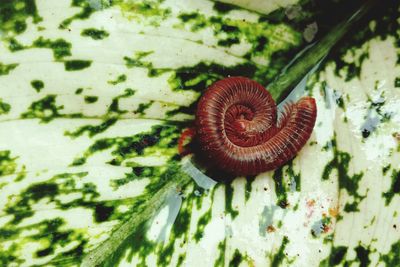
<point>238,131</point>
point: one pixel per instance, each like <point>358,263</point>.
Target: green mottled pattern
<point>95,34</point>
<point>94,95</point>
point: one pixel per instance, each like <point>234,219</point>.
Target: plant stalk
<point>292,75</point>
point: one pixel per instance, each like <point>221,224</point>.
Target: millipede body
<point>238,130</point>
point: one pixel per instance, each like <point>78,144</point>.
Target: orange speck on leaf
<point>334,212</point>
<point>271,229</point>
<point>311,203</point>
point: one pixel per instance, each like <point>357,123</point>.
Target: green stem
<point>286,81</point>
<point>105,250</point>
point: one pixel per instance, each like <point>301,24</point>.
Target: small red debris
<point>271,229</point>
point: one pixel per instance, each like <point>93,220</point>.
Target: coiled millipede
<point>238,131</point>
